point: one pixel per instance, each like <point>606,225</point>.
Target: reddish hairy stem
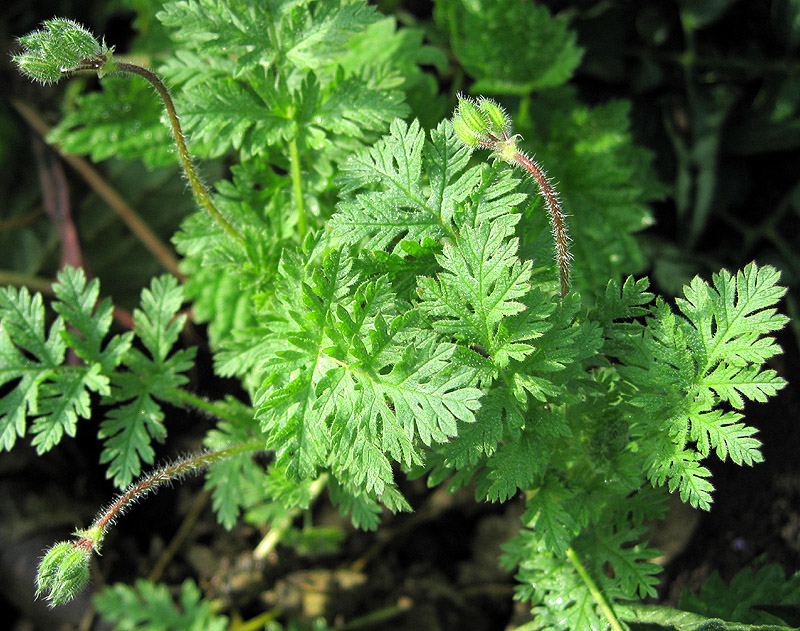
<point>557,221</point>
<point>152,482</point>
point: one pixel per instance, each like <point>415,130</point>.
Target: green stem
<point>214,408</point>
<point>36,283</point>
<point>201,193</point>
<point>276,532</point>
<point>375,617</point>
<point>598,595</point>
<point>297,187</point>
<point>257,623</point>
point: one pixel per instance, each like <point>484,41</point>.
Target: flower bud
<point>499,120</point>
<point>470,123</point>
<point>63,572</point>
<point>61,47</point>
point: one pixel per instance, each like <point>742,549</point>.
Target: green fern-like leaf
<point>414,395</point>
<point>731,323</point>
<point>89,320</point>
<point>561,601</point>
<point>288,392</point>
<point>285,85</point>
<point>612,553</point>
<point>482,284</point>
<point>28,357</point>
<point>306,34</point>
<point>124,120</point>
<point>733,317</point>
<point>237,482</point>
<point>130,427</point>
<point>46,389</point>
<point>483,32</point>
<point>357,385</point>
<point>412,207</point>
<point>149,606</point>
<point>752,597</point>
<point>683,374</point>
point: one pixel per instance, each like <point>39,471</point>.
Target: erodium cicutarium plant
<point>388,300</point>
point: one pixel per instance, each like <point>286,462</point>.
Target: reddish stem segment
<point>152,482</point>
<point>557,222</point>
<point>505,149</point>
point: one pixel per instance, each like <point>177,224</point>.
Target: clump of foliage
<point>390,302</point>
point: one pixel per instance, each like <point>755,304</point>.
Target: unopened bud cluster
<point>63,572</point>
<point>60,48</point>
<point>484,123</point>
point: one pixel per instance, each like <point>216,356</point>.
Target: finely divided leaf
<point>515,465</point>
<point>728,326</point>
<point>355,383</point>
<point>55,395</point>
<point>413,394</point>
<point>561,600</point>
<point>288,392</point>
<point>130,427</point>
<point>87,320</point>
<point>731,383</point>
<point>510,47</point>
<point>683,370</point>
<point>445,160</point>
<point>124,120</point>
<point>722,431</point>
<point>394,163</point>
<point>480,291</point>
<point>61,400</point>
<point>284,86</point>
<point>350,108</point>
<point>149,606</point>
<point>732,317</point>
<point>250,116</point>
<point>306,34</point>
<point>237,482</point>
<point>26,356</point>
<point>156,322</point>
<point>407,188</point>
<point>683,471</point>
<point>620,549</point>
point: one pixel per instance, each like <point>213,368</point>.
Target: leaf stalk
<point>595,591</point>
<point>199,189</point>
<point>297,187</point>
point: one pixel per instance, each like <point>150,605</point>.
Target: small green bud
<point>63,572</point>
<point>61,47</point>
<point>499,121</point>
<point>470,123</point>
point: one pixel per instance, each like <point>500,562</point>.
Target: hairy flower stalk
<point>64,48</point>
<point>485,124</point>
<point>64,569</point>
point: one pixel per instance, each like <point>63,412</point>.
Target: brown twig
<point>125,211</point>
